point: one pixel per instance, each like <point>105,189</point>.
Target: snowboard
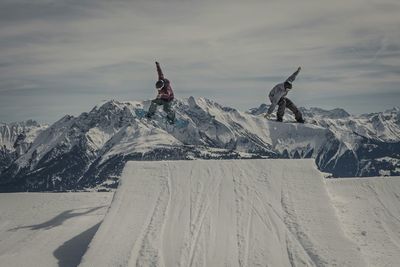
<point>177,123</point>
<point>284,121</point>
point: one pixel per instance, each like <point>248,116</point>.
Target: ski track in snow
<point>222,213</point>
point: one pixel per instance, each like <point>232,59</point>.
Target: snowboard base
<point>273,118</point>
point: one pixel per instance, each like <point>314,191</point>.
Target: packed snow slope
<point>369,210</point>
<point>47,229</point>
<point>222,213</point>
<point>90,150</point>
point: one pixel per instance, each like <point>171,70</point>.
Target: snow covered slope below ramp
<point>369,209</point>
<point>222,213</point>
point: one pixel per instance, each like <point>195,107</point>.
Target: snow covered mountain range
<point>15,140</point>
<point>90,151</point>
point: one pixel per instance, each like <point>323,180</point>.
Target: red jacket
<point>165,92</point>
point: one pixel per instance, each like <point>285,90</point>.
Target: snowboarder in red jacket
<point>164,97</point>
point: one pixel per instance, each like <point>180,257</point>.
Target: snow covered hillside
<point>209,213</point>
<point>247,213</point>
<point>46,229</point>
<point>90,151</point>
<point>369,210</point>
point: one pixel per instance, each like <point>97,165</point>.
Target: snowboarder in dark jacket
<point>164,97</point>
<point>278,97</point>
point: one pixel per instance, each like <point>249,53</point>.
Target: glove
<point>299,68</point>
<point>267,116</point>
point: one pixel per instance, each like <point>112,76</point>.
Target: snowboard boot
<point>148,116</point>
<point>170,116</point>
<point>170,122</point>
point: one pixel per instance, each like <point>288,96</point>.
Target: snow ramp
<point>222,213</point>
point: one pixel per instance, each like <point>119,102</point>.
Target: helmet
<point>288,85</point>
<point>159,84</point>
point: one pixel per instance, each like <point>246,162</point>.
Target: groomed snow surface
<point>369,210</point>
<point>247,213</point>
<point>48,229</point>
<point>208,213</point>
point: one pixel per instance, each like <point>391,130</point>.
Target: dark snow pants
<point>285,102</point>
<point>166,106</point>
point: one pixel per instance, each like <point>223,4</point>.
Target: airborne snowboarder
<point>277,96</point>
<point>164,97</point>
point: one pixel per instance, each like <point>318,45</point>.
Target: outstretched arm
<point>159,71</point>
<point>293,76</point>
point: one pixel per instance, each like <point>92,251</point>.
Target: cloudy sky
<point>65,56</point>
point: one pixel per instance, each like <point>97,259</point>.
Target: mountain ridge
<point>90,150</point>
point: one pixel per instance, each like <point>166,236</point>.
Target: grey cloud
<point>17,84</point>
<point>382,72</point>
<point>20,11</point>
<point>6,64</point>
<point>388,7</point>
<point>377,101</point>
<point>372,70</point>
<point>260,78</point>
<point>24,40</point>
<point>122,66</point>
<point>371,49</point>
<point>230,51</point>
